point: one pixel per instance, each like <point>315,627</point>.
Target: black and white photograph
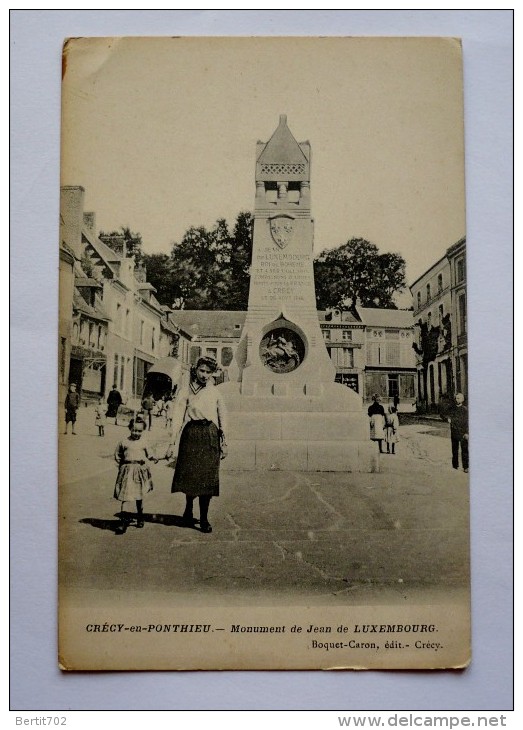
<point>263,372</point>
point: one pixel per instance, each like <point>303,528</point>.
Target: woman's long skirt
<point>198,464</point>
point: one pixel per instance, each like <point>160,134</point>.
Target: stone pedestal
<point>286,412</point>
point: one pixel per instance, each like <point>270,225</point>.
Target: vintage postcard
<point>263,449</point>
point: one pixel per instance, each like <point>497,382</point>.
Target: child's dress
<point>134,478</point>
<point>392,426</point>
<point>100,412</point>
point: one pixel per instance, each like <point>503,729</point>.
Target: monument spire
<point>284,390</point>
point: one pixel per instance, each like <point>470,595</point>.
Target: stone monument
<point>286,411</point>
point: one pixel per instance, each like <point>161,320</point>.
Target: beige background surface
<point>163,131</point>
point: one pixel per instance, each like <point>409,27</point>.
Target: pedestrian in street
<point>148,405</point>
<point>459,432</point>
<point>200,415</point>
<point>377,421</point>
<point>100,418</point>
<point>392,427</point>
<point>114,401</point>
<point>396,402</point>
<point>169,410</point>
<point>72,402</point>
<point>134,477</point>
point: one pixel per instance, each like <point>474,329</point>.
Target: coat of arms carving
<point>282,229</point>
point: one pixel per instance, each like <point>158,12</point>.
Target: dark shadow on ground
<point>129,518</point>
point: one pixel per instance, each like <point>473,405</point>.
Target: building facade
<point>371,349</point>
<point>372,352</point>
<point>440,317</point>
<point>118,328</point>
<point>458,287</point>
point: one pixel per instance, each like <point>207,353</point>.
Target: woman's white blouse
<point>206,404</point>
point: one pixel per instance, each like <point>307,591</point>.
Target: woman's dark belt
<point>134,462</point>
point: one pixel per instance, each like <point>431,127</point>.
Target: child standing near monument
<point>134,478</point>
<point>392,427</point>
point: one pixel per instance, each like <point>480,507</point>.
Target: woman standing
<point>200,410</point>
<point>377,421</point>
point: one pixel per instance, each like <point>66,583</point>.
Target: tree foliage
<point>207,269</point>
<point>133,242</point>
<point>357,271</point>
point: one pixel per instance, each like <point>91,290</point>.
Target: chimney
<point>140,273</point>
<point>90,221</point>
<point>72,216</point>
<point>116,242</point>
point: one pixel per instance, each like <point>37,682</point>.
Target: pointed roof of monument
<point>282,147</point>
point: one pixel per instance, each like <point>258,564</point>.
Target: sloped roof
<point>204,323</point>
<point>282,147</point>
<point>386,317</point>
<point>347,316</point>
<point>96,312</point>
<point>87,281</point>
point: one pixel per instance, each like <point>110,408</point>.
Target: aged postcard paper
<point>263,450</point>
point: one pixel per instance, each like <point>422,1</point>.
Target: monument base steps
<point>347,456</point>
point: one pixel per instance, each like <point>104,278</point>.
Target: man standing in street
<point>459,432</point>
<point>72,401</point>
<point>114,401</point>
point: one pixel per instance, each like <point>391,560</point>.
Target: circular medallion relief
<point>282,350</point>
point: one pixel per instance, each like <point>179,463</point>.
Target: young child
<point>100,411</point>
<point>392,426</point>
<point>169,409</point>
<point>134,478</point>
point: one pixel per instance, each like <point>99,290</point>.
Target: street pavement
<point>401,534</point>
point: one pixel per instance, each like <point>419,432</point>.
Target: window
<point>326,334</point>
<point>63,350</point>
<point>373,353</point>
<point>393,385</point>
<point>419,299</point>
<point>122,372</point>
<point>345,357</point>
<point>429,320</point>
<point>462,314</point>
<point>392,354</point>
<point>226,356</point>
<point>428,292</point>
<point>76,330</point>
<point>118,318</point>
<point>115,372</point>
<point>142,324</point>
<point>127,320</point>
<point>153,338</point>
<point>195,354</point>
<point>348,379</point>
<point>407,389</point>
<point>440,282</point>
<point>458,374</point>
<point>440,312</point>
<point>346,335</point>
<point>460,269</point>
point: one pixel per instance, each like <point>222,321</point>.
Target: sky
<point>162,134</point>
